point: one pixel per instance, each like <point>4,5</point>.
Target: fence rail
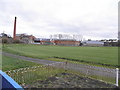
<point>31,74</point>
<point>100,73</point>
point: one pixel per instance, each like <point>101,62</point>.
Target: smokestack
<point>14,34</point>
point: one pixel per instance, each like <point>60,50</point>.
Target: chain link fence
<point>100,73</point>
<point>29,75</point>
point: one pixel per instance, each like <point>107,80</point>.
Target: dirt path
<point>68,80</point>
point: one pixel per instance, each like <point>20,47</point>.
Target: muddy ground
<point>68,80</point>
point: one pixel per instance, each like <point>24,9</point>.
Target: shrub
<point>4,40</point>
<point>16,41</point>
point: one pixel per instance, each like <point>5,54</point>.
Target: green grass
<point>93,64</point>
<point>1,44</point>
<point>9,63</point>
<point>27,76</point>
<point>31,75</point>
<point>104,55</point>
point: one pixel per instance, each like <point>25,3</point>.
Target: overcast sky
<point>95,19</point>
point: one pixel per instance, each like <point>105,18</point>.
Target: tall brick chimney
<point>14,33</point>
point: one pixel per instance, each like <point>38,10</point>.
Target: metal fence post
<point>117,74</point>
<point>66,63</point>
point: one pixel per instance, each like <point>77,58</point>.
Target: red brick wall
<point>62,42</point>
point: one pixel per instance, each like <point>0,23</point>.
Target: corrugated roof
<point>93,42</point>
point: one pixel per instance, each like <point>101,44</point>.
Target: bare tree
<point>67,36</point>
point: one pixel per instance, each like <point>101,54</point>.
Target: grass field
<point>104,55</point>
<point>9,63</point>
<point>29,75</point>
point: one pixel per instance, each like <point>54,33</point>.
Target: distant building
<point>37,41</point>
<point>93,43</point>
<point>45,41</point>
<point>66,42</point>
<point>110,42</point>
<point>4,38</point>
<point>25,38</point>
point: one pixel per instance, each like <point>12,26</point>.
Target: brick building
<point>4,38</point>
<point>25,38</point>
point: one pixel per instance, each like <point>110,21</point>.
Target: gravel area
<point>29,58</point>
<point>68,80</point>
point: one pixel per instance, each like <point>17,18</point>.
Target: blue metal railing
<point>8,82</point>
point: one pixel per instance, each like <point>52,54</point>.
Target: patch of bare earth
<point>68,80</point>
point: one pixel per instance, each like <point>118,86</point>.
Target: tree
<point>89,39</point>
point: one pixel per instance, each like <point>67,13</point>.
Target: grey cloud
<point>105,27</point>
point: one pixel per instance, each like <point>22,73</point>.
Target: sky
<point>93,19</point>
